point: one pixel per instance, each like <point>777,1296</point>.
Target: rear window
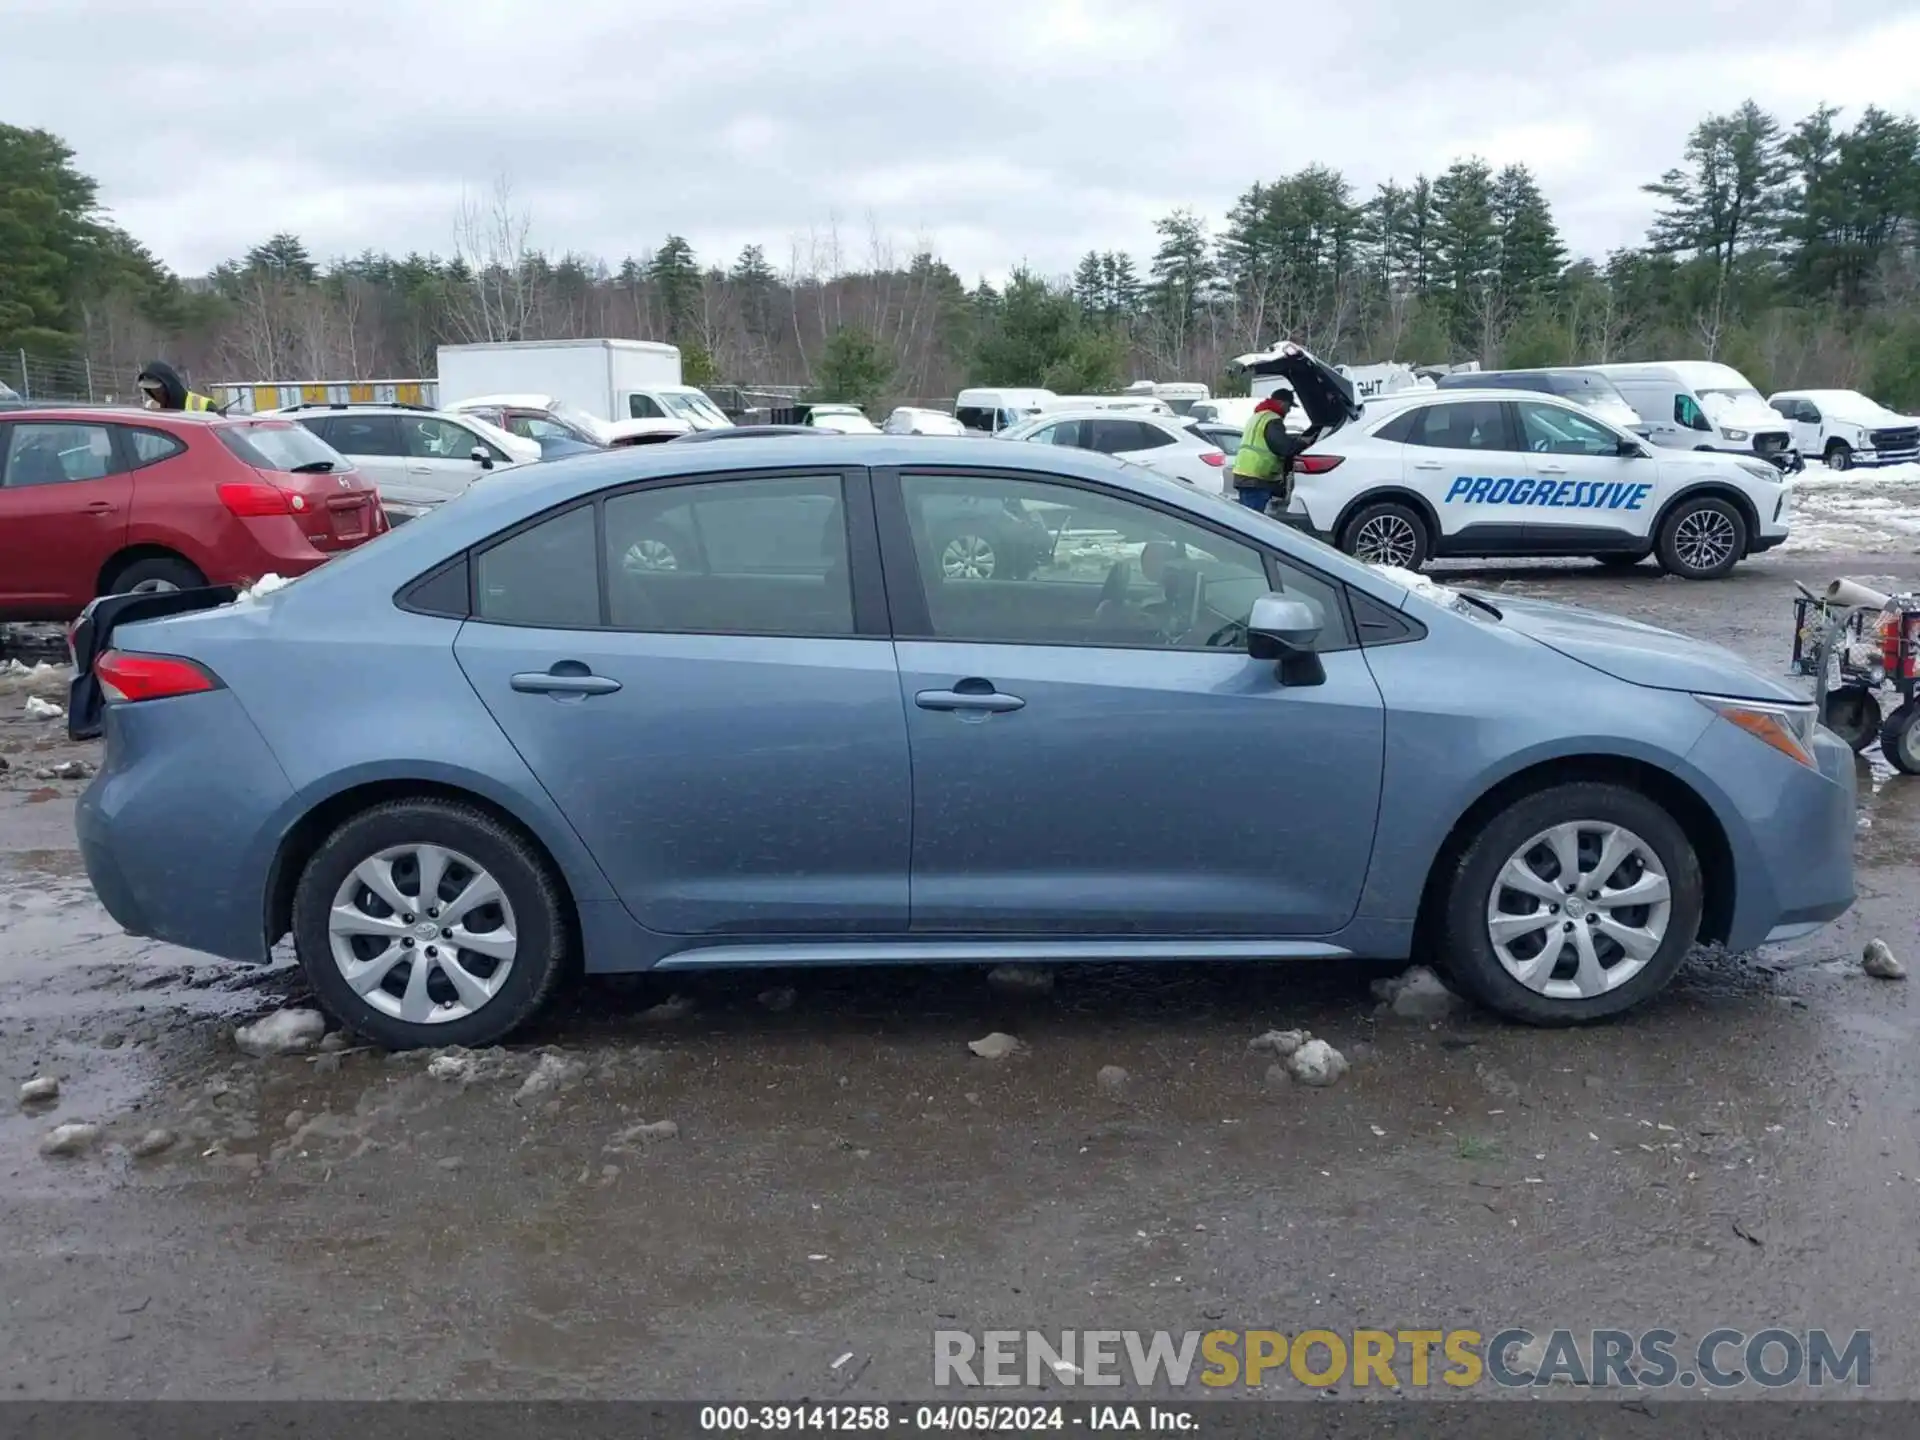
<point>281,446</point>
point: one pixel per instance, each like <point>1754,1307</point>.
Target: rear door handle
<point>1428,465</point>
<point>545,682</point>
<point>101,507</point>
<point>419,469</point>
<point>1553,469</point>
<point>990,702</point>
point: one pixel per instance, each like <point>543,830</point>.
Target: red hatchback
<point>96,501</point>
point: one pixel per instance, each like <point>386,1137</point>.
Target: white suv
<point>1167,443</point>
<point>1441,473</point>
<point>417,457</point>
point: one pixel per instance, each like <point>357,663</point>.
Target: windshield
<point>692,406</point>
<point>582,424</point>
<point>280,445</point>
<point>1734,395</point>
<point>1583,385</point>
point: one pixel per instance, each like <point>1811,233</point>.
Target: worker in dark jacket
<point>1263,466</point>
<point>163,389</point>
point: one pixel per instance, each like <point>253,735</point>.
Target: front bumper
<point>1790,831</point>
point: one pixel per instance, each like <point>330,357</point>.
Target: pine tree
<point>1531,255</point>
<point>676,282</point>
<point>1730,195</point>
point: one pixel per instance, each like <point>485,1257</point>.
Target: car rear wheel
<point>1702,539</point>
<point>1571,905</point>
<point>1839,455</point>
<point>156,575</point>
<point>1387,533</point>
<point>427,922</point>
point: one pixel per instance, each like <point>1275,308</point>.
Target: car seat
<point>36,465</point>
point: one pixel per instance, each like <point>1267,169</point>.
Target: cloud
<point>998,132</point>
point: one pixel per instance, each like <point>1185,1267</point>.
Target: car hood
<point>1641,654</point>
<point>1866,412</point>
<point>1742,412</point>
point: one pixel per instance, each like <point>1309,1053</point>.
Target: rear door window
<point>49,453</point>
<point>544,575</point>
<point>149,447</point>
<point>1463,425</point>
<point>366,435</point>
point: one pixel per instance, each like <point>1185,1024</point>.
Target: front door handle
<point>990,702</point>
<point>419,469</point>
<point>1428,465</point>
<point>101,507</point>
<point>548,682</point>
<point>1553,469</point>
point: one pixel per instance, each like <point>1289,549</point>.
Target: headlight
<point>1787,728</point>
<point>1735,434</point>
<point>1760,470</point>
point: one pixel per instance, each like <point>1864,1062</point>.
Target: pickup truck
<point>1845,428</point>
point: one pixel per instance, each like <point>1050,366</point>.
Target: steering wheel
<point>1541,447</point>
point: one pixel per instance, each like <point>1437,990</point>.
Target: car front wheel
<point>1839,456</point>
<point>1702,539</point>
<point>427,922</point>
<point>1573,904</point>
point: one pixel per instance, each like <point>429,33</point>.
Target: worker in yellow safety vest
<point>1263,466</point>
<point>163,389</point>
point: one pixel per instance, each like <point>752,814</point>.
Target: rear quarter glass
<point>280,446</point>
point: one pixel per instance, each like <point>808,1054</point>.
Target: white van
<point>1701,405</point>
<point>993,410</point>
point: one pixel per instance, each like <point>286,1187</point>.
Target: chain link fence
<point>46,377</point>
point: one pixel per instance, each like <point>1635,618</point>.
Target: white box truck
<point>611,380</point>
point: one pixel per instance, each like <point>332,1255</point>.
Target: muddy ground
<point>847,1177</point>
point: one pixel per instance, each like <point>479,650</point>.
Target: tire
<point>162,572</point>
<point>1839,455</point>
<point>1617,561</point>
<point>1900,738</point>
<point>1387,533</point>
<point>533,914</point>
<point>968,552</point>
<point>1468,953</point>
<point>1702,539</point>
<point>1854,715</point>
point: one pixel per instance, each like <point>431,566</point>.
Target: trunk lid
<point>335,505</point>
<point>1643,654</point>
<point>1324,393</point>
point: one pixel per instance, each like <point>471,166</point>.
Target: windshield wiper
<point>312,467</point>
<point>1485,605</point>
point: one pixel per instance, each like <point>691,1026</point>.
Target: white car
<point>914,420</point>
<point>1442,473</point>
<point>417,458</point>
<point>843,419</point>
<point>1845,428</point>
<point>1164,443</point>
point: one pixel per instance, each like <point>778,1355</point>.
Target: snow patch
<point>1419,584</point>
<point>265,585</point>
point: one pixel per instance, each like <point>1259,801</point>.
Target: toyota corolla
<point>502,743</point>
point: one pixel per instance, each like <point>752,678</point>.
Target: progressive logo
<point>1553,494</point>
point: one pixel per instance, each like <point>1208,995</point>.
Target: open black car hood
<point>1324,393</point>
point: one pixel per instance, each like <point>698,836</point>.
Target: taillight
<point>1215,458</point>
<point>1890,645</point>
<point>1906,664</point>
<point>125,677</point>
<point>254,499</point>
<point>1316,464</point>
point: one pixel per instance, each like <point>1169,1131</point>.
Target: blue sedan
<point>693,707</point>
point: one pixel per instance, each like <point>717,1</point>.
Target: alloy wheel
<point>1579,910</point>
<point>968,557</point>
<point>422,933</point>
<point>1704,539</point>
<point>1386,540</point>
<point>154,587</point>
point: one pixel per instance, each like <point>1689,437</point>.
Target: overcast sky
<point>997,131</point>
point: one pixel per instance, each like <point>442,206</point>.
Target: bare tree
<point>492,242</point>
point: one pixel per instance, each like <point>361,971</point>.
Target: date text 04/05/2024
<point>976,1418</point>
<point>1554,494</point>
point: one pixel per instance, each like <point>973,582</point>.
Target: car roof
<point>523,400</point>
<point>1107,412</point>
<point>486,510</point>
<point>79,410</point>
<point>1400,399</point>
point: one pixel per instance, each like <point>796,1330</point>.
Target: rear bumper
<point>1790,830</point>
<point>178,829</point>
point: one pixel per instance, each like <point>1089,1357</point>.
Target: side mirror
<point>1280,626</point>
<point>481,457</point>
<point>1631,450</point>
